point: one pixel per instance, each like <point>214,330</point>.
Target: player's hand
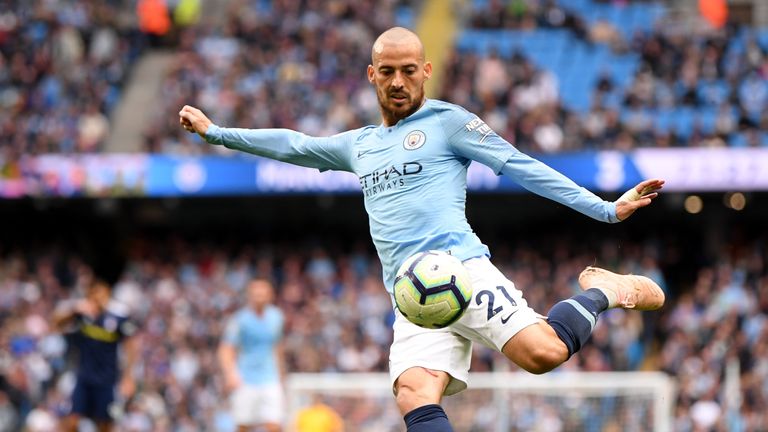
<point>127,387</point>
<point>637,197</point>
<point>193,120</point>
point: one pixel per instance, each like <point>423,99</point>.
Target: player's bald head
<point>398,70</point>
<point>397,37</point>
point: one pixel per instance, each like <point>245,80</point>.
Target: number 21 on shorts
<point>488,296</point>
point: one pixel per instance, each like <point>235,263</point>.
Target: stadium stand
<point>63,66</point>
<point>304,70</point>
<point>621,74</point>
<point>568,75</point>
<point>611,67</point>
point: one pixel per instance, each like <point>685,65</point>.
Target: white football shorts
<point>257,404</point>
<point>496,313</point>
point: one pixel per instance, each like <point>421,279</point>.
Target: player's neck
<point>100,308</point>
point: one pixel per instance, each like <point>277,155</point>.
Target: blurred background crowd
<point>287,64</point>
<point>549,76</point>
<point>62,68</point>
<point>338,319</point>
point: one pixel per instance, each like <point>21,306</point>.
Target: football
<point>432,289</point>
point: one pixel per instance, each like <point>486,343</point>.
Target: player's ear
<point>370,74</point>
<point>427,70</point>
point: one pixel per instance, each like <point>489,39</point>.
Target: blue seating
<point>713,93</point>
<point>405,16</point>
<point>479,5</point>
<point>575,5</point>
<point>576,64</point>
<point>762,37</point>
<point>738,140</point>
<point>707,117</point>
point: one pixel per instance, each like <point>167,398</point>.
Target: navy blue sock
<point>574,319</point>
<point>428,418</point>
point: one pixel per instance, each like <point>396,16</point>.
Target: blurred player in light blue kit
<point>251,357</point>
<point>412,170</point>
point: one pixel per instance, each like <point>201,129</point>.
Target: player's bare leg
<point>536,348</point>
<point>269,427</point>
<point>418,392</point>
<point>103,426</point>
<point>261,427</point>
<point>542,347</point>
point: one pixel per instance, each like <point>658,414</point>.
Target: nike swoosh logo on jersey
<point>362,153</point>
<point>504,320</point>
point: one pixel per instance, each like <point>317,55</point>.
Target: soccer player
<point>252,359</point>
<point>100,326</point>
<point>412,169</point>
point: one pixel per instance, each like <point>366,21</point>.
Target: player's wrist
<point>211,134</point>
<point>611,212</point>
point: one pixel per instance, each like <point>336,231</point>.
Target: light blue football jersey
<point>255,337</point>
<point>414,176</point>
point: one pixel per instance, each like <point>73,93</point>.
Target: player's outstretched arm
<point>637,197</point>
<point>471,138</point>
<point>285,145</point>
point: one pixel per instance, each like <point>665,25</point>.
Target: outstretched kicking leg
<point>541,348</point>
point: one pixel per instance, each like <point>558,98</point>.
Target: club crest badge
<point>110,324</point>
<point>414,140</point>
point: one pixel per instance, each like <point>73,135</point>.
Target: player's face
<point>99,294</point>
<point>259,293</point>
<point>398,73</point>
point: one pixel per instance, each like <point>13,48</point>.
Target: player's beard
<point>399,111</point>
